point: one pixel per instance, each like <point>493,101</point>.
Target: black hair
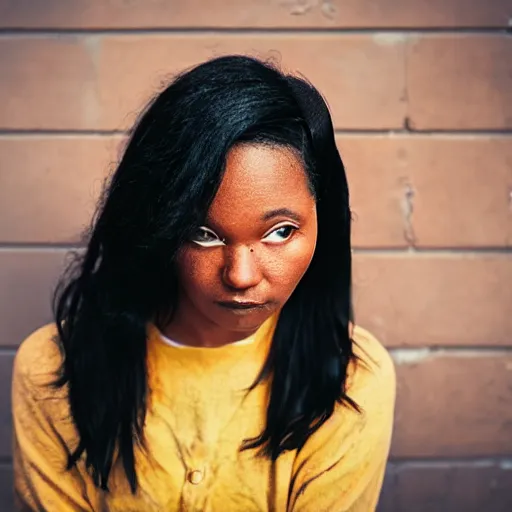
<point>159,194</point>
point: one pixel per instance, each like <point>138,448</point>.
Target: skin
<point>259,240</point>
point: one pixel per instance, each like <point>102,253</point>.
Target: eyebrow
<point>282,212</point>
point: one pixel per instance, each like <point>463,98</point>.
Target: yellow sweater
<point>197,419</point>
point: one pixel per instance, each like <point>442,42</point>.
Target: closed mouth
<point>242,305</point>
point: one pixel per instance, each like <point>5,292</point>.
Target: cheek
<point>288,270</point>
<point>197,274</point>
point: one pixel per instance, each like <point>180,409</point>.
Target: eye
<point>281,234</point>
<point>205,237</point>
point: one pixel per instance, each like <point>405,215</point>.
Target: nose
<point>241,269</point>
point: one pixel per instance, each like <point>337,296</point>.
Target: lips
<point>241,306</point>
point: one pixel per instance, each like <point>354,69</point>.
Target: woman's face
<point>256,244</point>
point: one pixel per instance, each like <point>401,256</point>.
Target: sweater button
<point>195,477</point>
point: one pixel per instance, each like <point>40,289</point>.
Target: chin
<point>242,322</point>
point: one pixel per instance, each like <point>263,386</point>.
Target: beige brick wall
<point>421,92</point>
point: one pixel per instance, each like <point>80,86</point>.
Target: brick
<point>49,203</point>
<point>28,278</point>
<point>5,408</point>
<point>50,186</point>
<point>442,487</point>
<point>47,83</point>
<point>461,81</point>
<point>375,171</point>
<point>94,82</point>
<point>460,185</point>
<point>462,191</point>
<point>6,489</point>
<point>454,405</point>
<point>361,76</point>
<point>247,13</point>
<point>435,299</point>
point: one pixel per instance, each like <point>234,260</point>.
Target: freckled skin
<point>252,262</point>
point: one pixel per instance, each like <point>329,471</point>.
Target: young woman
<point>203,355</point>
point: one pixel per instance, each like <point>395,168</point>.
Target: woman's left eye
<point>281,234</point>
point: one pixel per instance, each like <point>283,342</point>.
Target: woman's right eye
<point>206,238</point>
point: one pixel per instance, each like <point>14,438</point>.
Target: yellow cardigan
<point>197,418</point>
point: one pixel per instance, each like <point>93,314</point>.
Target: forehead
<point>260,178</point>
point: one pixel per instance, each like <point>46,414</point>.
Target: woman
<point>203,356</point>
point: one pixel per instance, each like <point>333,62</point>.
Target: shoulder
<point>372,374</point>
<point>371,385</point>
<point>372,352</point>
<point>343,461</point>
<point>361,437</point>
<point>38,361</point>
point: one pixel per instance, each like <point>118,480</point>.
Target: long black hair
<point>160,193</point>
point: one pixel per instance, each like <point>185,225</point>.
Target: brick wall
<point>421,93</point>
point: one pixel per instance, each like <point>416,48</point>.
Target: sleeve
<point>41,480</point>
<point>341,466</point>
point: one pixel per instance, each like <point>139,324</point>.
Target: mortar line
<point>451,350</point>
<point>6,133</point>
<point>431,251</point>
<point>472,461</point>
<point>213,30</point>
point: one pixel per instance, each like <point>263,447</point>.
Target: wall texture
<point>421,93</point>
